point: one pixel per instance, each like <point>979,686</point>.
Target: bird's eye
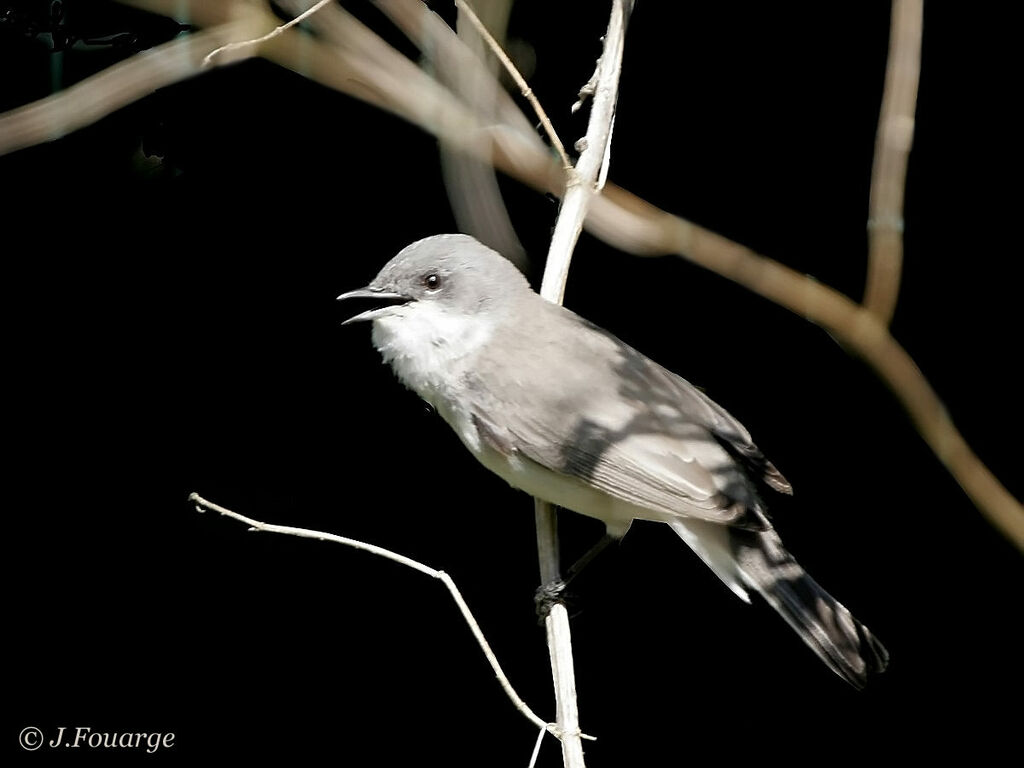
<point>432,281</point>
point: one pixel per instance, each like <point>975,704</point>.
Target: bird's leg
<point>587,556</point>
<point>552,592</point>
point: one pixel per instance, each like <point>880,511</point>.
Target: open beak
<point>383,301</point>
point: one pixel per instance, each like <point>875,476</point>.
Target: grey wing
<point>725,428</point>
<point>673,476</point>
<point>614,420</point>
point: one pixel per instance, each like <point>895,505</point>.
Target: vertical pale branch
<point>580,186</point>
<point>556,624</point>
<point>892,148</point>
<point>582,182</point>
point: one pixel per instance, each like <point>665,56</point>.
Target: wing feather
<point>597,410</point>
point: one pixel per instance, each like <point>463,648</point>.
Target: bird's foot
<point>548,595</point>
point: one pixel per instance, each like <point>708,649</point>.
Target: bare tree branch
<point>892,147</point>
<point>536,748</point>
<point>306,533</point>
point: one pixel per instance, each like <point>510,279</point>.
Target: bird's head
<point>450,274</point>
<point>438,300</point>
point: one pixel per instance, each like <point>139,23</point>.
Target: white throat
<point>428,347</point>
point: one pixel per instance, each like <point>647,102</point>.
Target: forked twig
<point>306,533</point>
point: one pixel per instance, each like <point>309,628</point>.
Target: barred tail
<point>831,631</point>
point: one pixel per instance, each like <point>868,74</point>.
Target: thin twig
<point>536,748</point>
<point>264,38</point>
<point>442,46</point>
<point>306,533</point>
<point>587,90</point>
<point>892,148</point>
<point>524,88</point>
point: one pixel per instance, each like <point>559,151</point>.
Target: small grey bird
<point>565,411</point>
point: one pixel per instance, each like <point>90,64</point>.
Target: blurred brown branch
<point>473,190</point>
<point>356,61</point>
<point>115,87</point>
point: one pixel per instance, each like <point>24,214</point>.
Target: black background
<point>171,327</point>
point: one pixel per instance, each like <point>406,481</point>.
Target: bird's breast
<point>429,349</point>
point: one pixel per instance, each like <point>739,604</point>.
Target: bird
<point>565,411</point>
